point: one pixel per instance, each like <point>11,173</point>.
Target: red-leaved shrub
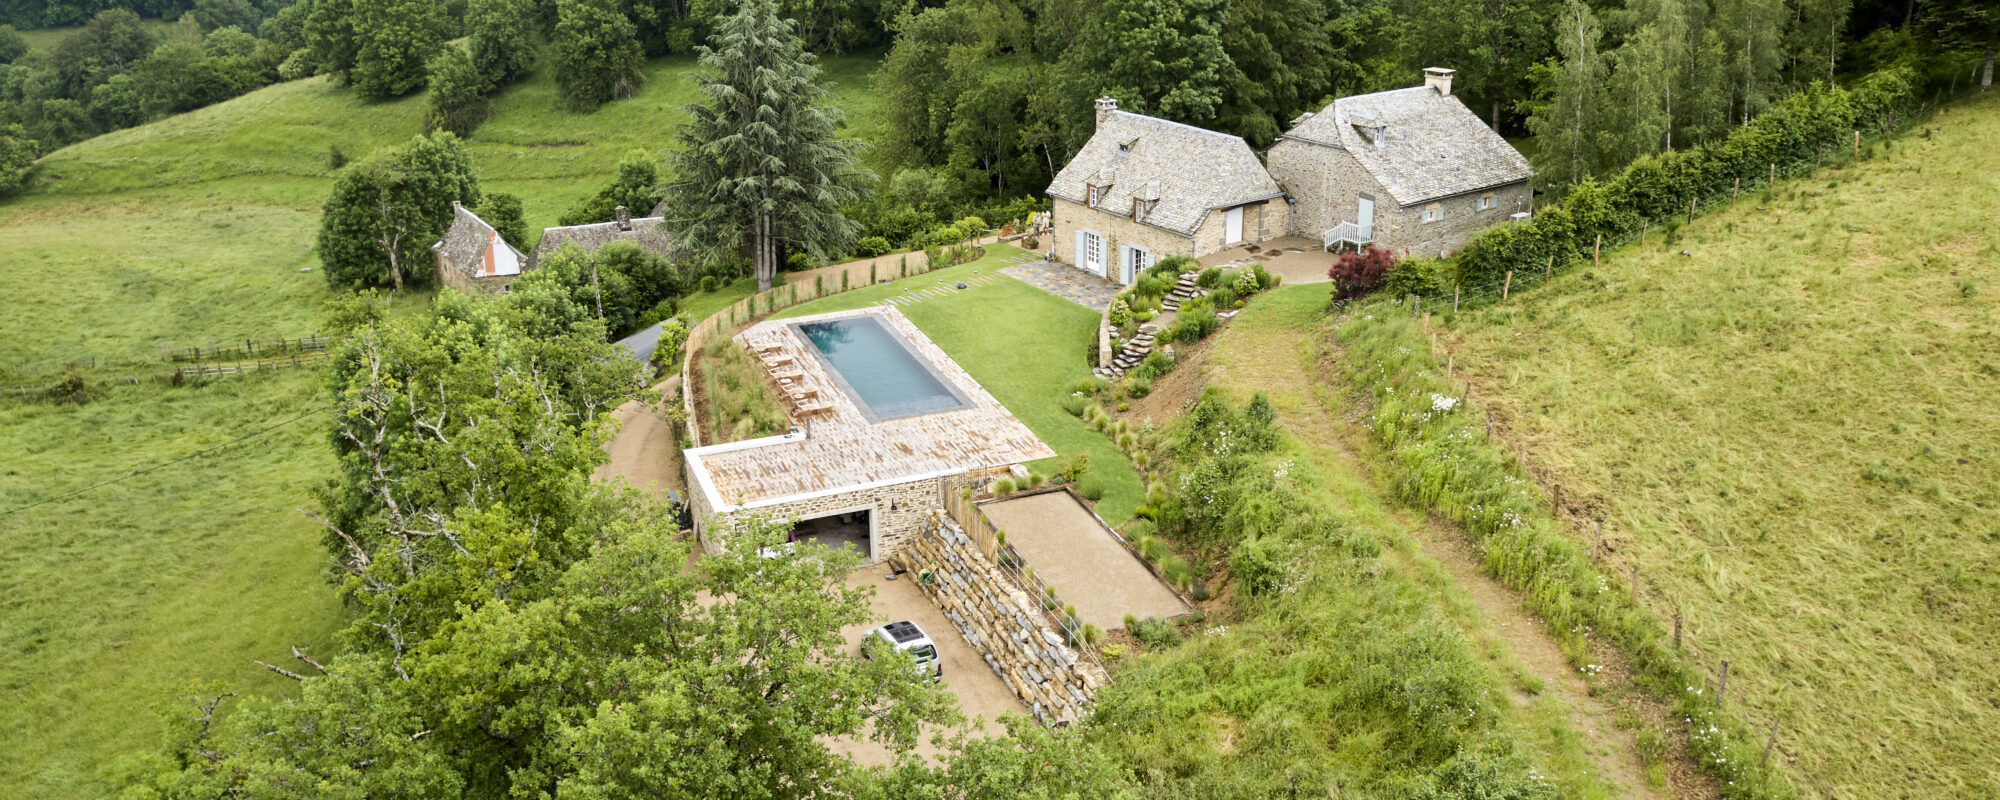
<point>1356,274</point>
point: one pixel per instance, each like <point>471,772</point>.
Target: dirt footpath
<point>646,450</point>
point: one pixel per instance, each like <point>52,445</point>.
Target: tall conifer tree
<point>761,166</point>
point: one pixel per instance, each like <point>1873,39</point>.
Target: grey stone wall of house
<point>1262,221</point>
<point>896,512</point>
<point>491,284</point>
<point>1001,621</point>
<point>1458,220</point>
<point>1119,232</point>
<point>1326,185</point>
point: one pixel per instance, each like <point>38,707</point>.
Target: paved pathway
<point>940,288</point>
<point>1066,282</point>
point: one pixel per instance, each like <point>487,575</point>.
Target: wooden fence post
<point>1454,299</point>
<point>1691,202</point>
<point>1549,269</point>
<point>1770,742</point>
<point>1857,144</point>
<point>1677,632</point>
<point>1774,175</point>
<point>1594,251</point>
<point>1489,424</point>
<point>1733,191</point>
<point>1509,283</point>
<point>1635,584</point>
<point>1722,685</point>
<point>1643,225</point>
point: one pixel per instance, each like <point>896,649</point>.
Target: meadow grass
<point>1273,346</point>
<point>1792,433</point>
<point>1023,345</point>
<point>188,231</point>
<point>741,403</point>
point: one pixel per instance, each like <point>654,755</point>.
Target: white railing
<point>1348,232</point>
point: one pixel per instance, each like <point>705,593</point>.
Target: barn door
<point>1232,225</point>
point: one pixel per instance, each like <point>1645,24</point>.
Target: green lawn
<point>184,232</point>
<point>1793,432</point>
<point>1026,347</point>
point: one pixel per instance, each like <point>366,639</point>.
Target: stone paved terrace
<point>844,448</point>
<point>1296,259</point>
<point>1067,282</point>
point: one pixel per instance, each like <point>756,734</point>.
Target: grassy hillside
<point>189,231</point>
<point>1792,432</point>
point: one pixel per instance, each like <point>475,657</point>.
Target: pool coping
<point>860,404</point>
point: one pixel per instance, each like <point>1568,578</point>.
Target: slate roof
<point>468,247</point>
<point>1433,146</point>
<point>645,232</point>
<point>1188,169</point>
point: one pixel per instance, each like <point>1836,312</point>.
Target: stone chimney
<point>1105,105</point>
<point>624,218</point>
<point>1438,78</point>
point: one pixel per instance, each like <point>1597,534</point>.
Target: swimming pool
<point>878,370</point>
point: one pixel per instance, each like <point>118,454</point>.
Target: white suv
<point>906,637</point>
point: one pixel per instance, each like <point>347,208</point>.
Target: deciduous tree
<point>387,210</point>
<point>395,39</point>
<point>637,188</point>
<point>502,36</point>
<point>596,53</point>
<point>458,93</point>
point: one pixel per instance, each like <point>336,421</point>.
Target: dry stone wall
<point>1003,623</point>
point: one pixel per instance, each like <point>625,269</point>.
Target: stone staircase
<point>1133,352</point>
<point>1181,292</point>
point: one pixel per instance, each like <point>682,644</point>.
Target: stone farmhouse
<point>1144,188</point>
<point>645,232</point>
<point>1409,170</point>
<point>473,258</point>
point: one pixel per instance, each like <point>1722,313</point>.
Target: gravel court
<point>980,693</point>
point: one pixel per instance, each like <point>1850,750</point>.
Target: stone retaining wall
<point>1003,623</point>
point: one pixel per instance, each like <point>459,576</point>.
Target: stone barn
<point>473,258</point>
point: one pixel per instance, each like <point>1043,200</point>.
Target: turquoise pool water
<point>878,370</point>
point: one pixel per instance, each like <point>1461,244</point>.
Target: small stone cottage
<point>473,258</point>
<point>1409,170</point>
<point>1143,189</point>
<point>646,232</point>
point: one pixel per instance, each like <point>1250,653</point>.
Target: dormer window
<point>1140,208</point>
<point>1092,194</point>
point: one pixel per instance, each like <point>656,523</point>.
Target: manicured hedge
<point>1796,133</point>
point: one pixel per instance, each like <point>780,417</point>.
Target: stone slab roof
<point>1432,145</point>
<point>646,232</point>
<point>846,449</point>
<point>1187,169</point>
<point>475,249</point>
